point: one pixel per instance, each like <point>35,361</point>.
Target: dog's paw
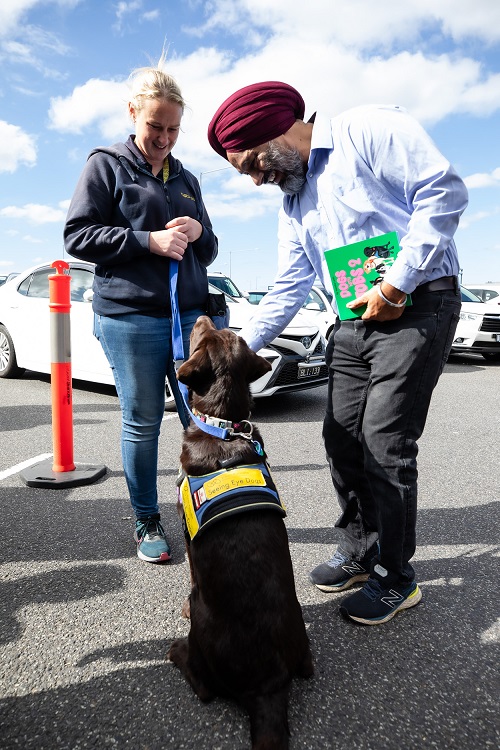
<point>178,651</point>
<point>186,609</point>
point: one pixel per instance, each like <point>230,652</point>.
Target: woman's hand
<point>170,243</point>
<point>188,226</point>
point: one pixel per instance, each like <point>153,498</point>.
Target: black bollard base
<point>42,475</point>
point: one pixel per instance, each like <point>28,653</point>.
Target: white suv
<point>478,329</point>
<point>486,292</point>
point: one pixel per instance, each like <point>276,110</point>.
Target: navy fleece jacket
<point>116,204</point>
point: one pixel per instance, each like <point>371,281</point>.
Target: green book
<point>357,268</point>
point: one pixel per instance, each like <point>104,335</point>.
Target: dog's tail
<point>269,720</point>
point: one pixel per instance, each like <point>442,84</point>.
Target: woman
<point>135,207</point>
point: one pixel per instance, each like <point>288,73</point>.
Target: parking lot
<point>85,625</point>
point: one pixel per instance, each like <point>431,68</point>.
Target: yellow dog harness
<point>226,492</point>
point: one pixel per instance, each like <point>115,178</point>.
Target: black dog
<point>247,638</point>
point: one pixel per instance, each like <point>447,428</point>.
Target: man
<point>368,171</point>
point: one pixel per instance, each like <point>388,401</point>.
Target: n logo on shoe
<point>392,598</point>
<point>353,568</point>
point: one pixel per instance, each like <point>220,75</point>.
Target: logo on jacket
<point>185,195</point>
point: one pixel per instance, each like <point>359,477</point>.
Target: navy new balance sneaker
<point>341,572</point>
<point>374,604</point>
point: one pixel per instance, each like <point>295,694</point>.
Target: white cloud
<point>341,55</point>
<point>467,219</point>
<point>124,10</point>
<point>243,201</point>
<point>12,12</point>
<point>151,15</point>
<point>97,103</point>
<point>32,240</point>
<point>22,53</point>
<point>483,179</point>
<point>358,23</point>
<point>16,147</point>
<point>25,44</point>
<point>34,213</point>
<point>431,86</point>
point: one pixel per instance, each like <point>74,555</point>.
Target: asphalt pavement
<point>85,625</point>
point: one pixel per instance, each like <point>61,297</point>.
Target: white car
<point>317,305</point>
<point>486,292</point>
<point>478,329</point>
<point>297,356</point>
<point>224,284</point>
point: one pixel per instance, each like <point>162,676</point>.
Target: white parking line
<point>19,467</point>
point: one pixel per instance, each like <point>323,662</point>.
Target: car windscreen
<point>468,296</point>
<point>225,285</point>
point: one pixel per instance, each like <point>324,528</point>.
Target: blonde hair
<point>154,83</point>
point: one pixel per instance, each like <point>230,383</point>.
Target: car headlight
<point>469,316</point>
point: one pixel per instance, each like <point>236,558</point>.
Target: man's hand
<point>376,308</point>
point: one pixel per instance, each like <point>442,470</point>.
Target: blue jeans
<point>139,351</point>
<point>381,378</point>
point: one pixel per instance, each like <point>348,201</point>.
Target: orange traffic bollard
<point>64,472</point>
<point>60,368</point>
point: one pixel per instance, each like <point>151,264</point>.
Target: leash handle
<point>177,345</point>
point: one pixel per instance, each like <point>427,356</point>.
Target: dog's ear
<point>257,366</point>
<point>197,371</point>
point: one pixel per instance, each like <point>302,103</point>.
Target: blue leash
<point>178,353</point>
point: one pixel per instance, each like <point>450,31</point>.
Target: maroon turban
<point>254,115</point>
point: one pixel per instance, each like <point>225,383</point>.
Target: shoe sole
<point>164,557</point>
<point>342,586</point>
<point>411,601</point>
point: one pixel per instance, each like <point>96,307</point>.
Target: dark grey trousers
<point>381,380</point>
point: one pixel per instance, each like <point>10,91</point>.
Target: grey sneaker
<point>340,572</point>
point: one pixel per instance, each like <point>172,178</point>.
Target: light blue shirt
<point>371,170</point>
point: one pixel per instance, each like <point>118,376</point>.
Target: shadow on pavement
<point>425,680</point>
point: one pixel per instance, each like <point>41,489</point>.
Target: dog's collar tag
<point>258,447</point>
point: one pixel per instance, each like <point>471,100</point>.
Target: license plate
<point>309,371</point>
<point>497,337</point>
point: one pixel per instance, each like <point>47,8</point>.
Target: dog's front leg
<point>186,606</point>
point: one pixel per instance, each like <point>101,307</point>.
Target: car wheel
<point>8,362</point>
<point>491,356</point>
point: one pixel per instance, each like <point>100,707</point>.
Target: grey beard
<point>287,161</point>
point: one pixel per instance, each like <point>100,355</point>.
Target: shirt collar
<point>321,137</point>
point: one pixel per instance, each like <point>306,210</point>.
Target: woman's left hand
<point>188,226</point>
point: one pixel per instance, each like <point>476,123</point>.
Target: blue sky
<point>63,71</point>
